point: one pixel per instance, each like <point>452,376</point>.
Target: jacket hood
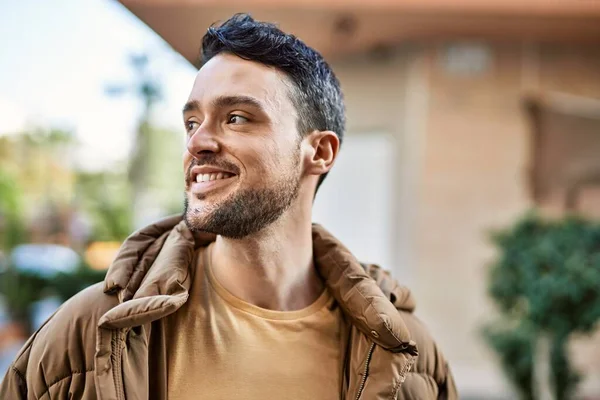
<point>151,277</point>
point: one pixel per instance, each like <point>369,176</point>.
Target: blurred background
<point>470,168</point>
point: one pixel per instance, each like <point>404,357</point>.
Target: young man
<point>243,297</point>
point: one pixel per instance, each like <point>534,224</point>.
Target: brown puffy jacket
<point>108,342</point>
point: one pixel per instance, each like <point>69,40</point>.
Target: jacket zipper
<point>117,374</point>
<point>364,377</point>
<point>403,373</point>
<point>406,369</point>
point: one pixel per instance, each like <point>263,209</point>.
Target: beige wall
<point>387,93</point>
<point>375,90</point>
<point>473,179</point>
<point>462,153</point>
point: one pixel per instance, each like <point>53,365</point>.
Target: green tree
<point>104,198</point>
<point>12,224</point>
<point>35,175</point>
<point>148,91</point>
<point>545,282</point>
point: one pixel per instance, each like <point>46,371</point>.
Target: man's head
<point>264,123</point>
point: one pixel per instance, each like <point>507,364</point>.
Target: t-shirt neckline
<point>260,312</point>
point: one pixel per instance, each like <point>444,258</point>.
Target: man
<point>243,297</point>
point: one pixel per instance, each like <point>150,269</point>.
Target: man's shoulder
<point>78,314</point>
<point>66,343</point>
<point>431,363</point>
<point>398,294</point>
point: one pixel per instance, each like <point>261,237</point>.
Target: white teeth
<point>212,177</point>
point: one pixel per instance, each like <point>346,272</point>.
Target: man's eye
<point>191,126</point>
<point>236,119</point>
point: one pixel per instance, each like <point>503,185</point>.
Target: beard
<point>248,211</point>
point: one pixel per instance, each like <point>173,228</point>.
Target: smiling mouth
<point>215,176</point>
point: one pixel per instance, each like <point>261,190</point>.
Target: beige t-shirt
<point>220,347</point>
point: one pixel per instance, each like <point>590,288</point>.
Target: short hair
<point>316,94</point>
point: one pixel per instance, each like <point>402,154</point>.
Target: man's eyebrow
<point>191,105</point>
<point>225,101</point>
<point>230,101</point>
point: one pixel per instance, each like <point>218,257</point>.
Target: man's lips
<point>205,178</point>
<point>203,187</point>
<point>205,173</point>
<point>208,170</point>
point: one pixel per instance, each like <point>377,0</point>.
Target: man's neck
<point>272,269</point>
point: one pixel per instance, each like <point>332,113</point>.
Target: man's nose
<point>203,140</point>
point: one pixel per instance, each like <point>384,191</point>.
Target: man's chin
<point>194,220</point>
<point>197,212</point>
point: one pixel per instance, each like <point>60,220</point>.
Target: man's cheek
<point>187,159</point>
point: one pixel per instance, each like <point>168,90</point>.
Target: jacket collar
<point>151,277</point>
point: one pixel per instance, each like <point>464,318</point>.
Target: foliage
<point>151,171</point>
<point>12,230</point>
<point>33,165</point>
<point>67,285</point>
<point>514,346</point>
<point>21,289</point>
<point>104,197</point>
<point>545,279</point>
<point>149,92</point>
<point>549,273</point>
<point>43,197</point>
<point>36,187</point>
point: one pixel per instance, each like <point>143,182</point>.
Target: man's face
<point>243,149</point>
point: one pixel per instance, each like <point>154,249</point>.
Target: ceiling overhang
<point>341,27</point>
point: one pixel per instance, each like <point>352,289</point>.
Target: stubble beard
<point>248,211</point>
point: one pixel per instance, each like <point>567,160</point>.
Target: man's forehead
<point>229,75</point>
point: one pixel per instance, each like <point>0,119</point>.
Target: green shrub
<point>546,279</point>
<point>21,289</point>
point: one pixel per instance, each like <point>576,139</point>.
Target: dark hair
<point>316,94</point>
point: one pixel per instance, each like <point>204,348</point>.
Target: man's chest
<point>219,353</point>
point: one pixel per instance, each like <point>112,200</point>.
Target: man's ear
<point>323,148</point>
